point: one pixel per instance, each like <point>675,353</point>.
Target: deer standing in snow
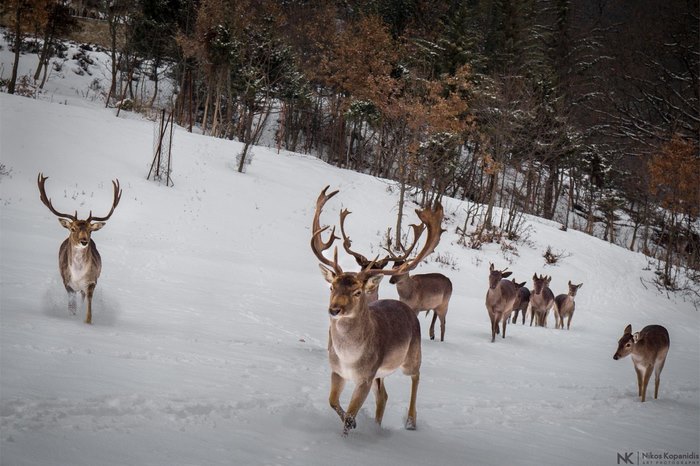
<point>370,340</point>
<point>541,300</point>
<point>500,298</point>
<point>521,302</point>
<point>78,259</point>
<point>425,292</point>
<point>564,306</point>
<point>648,349</point>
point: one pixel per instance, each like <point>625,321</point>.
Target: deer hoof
<point>349,424</point>
<point>411,423</point>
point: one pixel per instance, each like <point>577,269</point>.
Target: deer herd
<point>370,338</point>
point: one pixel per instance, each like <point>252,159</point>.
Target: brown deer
<point>541,300</point>
<point>564,306</point>
<point>422,292</point>
<point>370,340</point>
<point>521,302</point>
<point>648,349</point>
<point>500,298</point>
<point>78,259</point>
<point>425,292</point>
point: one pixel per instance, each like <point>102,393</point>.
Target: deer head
<point>80,230</point>
<point>349,289</point>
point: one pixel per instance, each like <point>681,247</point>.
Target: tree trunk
<point>18,46</point>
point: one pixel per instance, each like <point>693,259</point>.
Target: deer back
<point>644,346</point>
<point>424,291</point>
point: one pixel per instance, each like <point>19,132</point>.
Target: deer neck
<point>406,286</point>
<point>351,334</point>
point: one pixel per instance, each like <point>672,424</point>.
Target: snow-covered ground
<point>208,343</point>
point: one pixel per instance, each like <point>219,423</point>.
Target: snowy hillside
<point>210,323</point>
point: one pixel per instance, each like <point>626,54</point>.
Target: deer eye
<point>628,345</point>
<point>357,293</point>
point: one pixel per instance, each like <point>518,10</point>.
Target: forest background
<point>583,112</point>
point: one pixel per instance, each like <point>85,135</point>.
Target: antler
<point>430,219</point>
<point>317,244</point>
<point>362,261</point>
<point>117,198</point>
<point>47,202</point>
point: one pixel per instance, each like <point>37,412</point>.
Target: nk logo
<point>625,458</point>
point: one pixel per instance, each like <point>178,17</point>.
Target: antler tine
<point>47,202</point>
<point>317,244</point>
<point>430,219</point>
<point>361,260</point>
<point>117,198</point>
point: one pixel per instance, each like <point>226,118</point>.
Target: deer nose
<point>616,357</point>
<point>84,242</point>
<point>334,311</point>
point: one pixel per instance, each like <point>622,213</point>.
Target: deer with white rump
<point>541,300</point>
<point>78,259</point>
<point>648,348</point>
<point>370,340</point>
<point>564,306</point>
<point>500,298</point>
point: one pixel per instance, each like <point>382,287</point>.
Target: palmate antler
<point>430,220</point>
<point>317,244</point>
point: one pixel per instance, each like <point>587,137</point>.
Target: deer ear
<point>327,273</point>
<point>372,283</point>
<point>506,274</point>
<point>65,222</point>
<point>635,337</point>
<point>97,225</point>
<point>628,329</point>
<point>579,285</point>
<point>491,268</point>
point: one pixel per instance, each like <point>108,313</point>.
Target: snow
<point>208,343</point>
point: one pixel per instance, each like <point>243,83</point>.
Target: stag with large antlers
<point>78,259</point>
<point>370,340</point>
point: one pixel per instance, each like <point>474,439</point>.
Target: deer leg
<point>639,380</point>
<point>411,419</point>
<point>432,325</point>
<point>659,366</point>
<point>441,312</point>
<point>71,301</point>
<point>505,322</point>
<point>568,322</point>
<point>90,292</point>
<point>337,384</point>
<point>381,396</point>
<point>443,317</point>
<point>359,395</point>
<point>647,375</point>
<point>493,327</point>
